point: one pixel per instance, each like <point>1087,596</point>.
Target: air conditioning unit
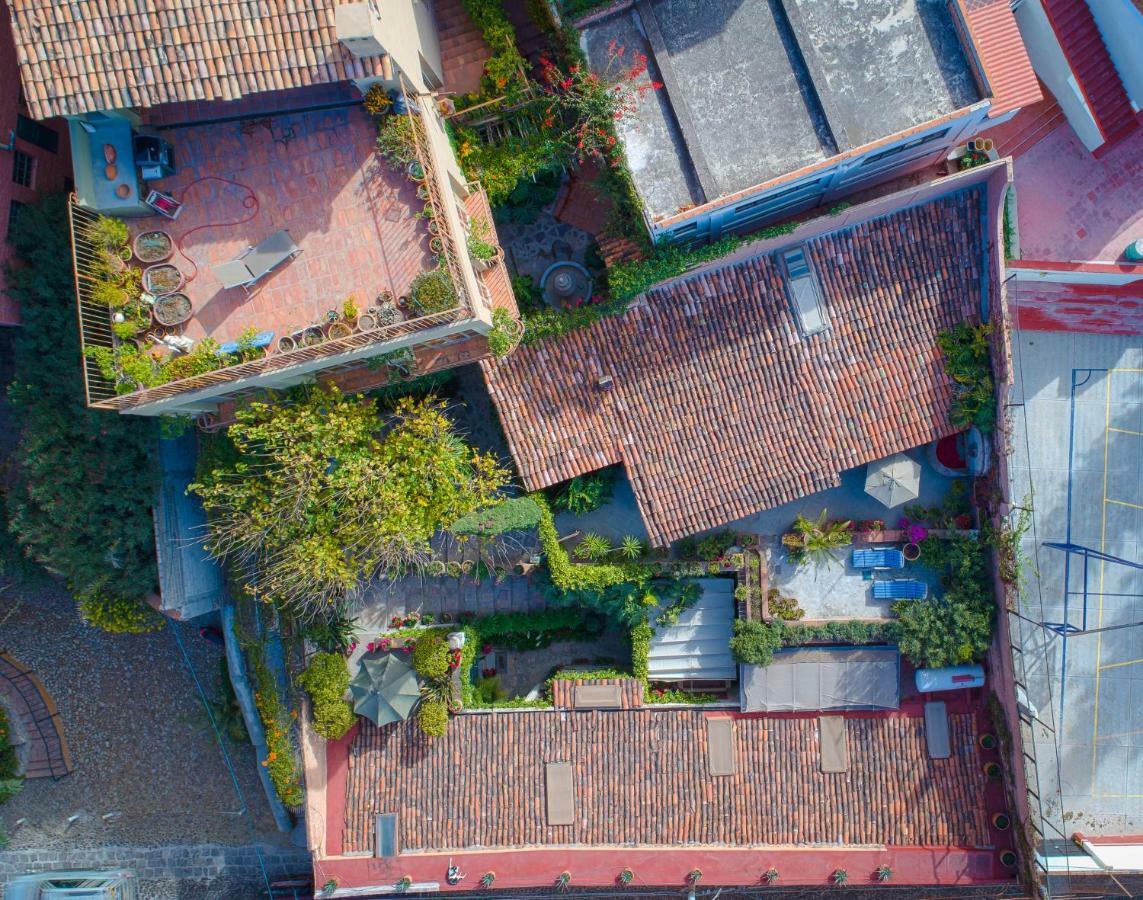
<point>359,29</point>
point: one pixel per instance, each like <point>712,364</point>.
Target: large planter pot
<point>172,309</point>
<point>311,337</point>
<point>912,552</point>
<point>286,344</point>
<point>992,770</point>
<point>366,322</point>
<point>416,171</point>
<point>1008,859</point>
<point>1001,822</point>
<point>339,330</point>
<point>987,742</point>
<point>162,279</point>
<point>154,246</point>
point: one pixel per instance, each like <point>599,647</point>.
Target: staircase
<point>463,51</point>
<point>1089,60</point>
<point>1028,127</point>
<point>530,40</point>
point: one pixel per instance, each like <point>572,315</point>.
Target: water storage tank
<point>952,678</point>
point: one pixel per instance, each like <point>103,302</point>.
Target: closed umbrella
<point>385,689</point>
<point>894,481</point>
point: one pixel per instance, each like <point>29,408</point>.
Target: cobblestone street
<point>144,755</point>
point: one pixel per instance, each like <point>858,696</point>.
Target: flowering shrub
<point>592,102</point>
<point>918,533</point>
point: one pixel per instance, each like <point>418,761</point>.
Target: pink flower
<point>369,647</point>
<point>902,523</point>
<point>918,533</point>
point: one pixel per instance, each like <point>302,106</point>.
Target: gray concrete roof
<point>754,89</point>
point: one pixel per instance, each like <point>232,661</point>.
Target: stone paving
<point>182,871</point>
<point>532,248</point>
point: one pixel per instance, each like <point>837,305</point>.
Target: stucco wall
<point>1050,64</point>
<point>1121,26</point>
<point>408,33</point>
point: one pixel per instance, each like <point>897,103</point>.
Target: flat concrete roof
<point>754,89</point>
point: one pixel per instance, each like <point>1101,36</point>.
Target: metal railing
<point>94,317</point>
<point>441,202</point>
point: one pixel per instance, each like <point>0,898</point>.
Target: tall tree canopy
<point>81,482</point>
<point>324,492</point>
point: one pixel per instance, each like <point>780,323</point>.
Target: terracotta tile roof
<point>564,691</point>
<point>1002,54</point>
<point>87,55</point>
<point>719,408</point>
<point>1090,62</point>
<point>641,777</point>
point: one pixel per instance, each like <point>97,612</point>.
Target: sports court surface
<point>1077,456</point>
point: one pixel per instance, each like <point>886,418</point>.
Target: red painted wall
<point>50,169</point>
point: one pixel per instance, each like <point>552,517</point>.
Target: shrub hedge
<point>326,679</point>
<point>432,716</point>
<point>516,514</point>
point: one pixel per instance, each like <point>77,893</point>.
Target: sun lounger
<point>255,263</point>
<point>878,559</point>
<point>900,589</point>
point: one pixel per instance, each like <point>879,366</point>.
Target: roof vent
<point>605,383</point>
<point>359,29</point>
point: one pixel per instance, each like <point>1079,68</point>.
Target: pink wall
<point>50,169</point>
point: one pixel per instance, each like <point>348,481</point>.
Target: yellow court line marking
<point>1129,662</point>
<point>1122,503</point>
<point>1102,570</point>
<point>1126,431</point>
<point>1125,370</point>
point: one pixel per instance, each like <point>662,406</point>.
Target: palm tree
<point>816,539</point>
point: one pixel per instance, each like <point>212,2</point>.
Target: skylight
<point>805,292</point>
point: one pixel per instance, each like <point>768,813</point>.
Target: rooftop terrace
<point>755,89</point>
<point>314,174</point>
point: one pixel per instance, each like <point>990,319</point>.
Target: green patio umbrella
<point>385,689</point>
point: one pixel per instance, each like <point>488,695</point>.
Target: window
<point>23,168</point>
<point>770,198</point>
<point>804,291</point>
<point>14,209</point>
<point>34,133</point>
<point>908,145</point>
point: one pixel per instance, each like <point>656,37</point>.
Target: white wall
<point>408,33</point>
<point>1050,64</point>
<point>1121,25</point>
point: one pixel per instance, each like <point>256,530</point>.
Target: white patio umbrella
<point>893,481</point>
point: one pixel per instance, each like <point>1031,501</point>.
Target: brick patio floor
<point>312,173</point>
<point>1074,207</point>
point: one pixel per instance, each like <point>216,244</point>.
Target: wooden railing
<point>94,318</point>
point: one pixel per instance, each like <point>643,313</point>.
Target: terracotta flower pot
<point>912,552</point>
<point>286,344</point>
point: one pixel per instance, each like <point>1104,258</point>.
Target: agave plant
<point>883,873</point>
<point>563,881</point>
<point>631,547</point>
<point>694,876</point>
<point>816,539</point>
<point>625,877</point>
<point>593,546</point>
<point>770,875</point>
<point>487,879</point>
<point>840,876</point>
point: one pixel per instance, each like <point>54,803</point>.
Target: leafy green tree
<point>948,632</point>
<point>324,492</point>
<point>754,643</point>
<point>82,481</point>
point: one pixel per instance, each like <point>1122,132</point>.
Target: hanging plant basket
<point>172,309</point>
<point>162,279</point>
<point>339,330</point>
<point>154,246</point>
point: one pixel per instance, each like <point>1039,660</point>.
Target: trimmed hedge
<point>432,716</point>
<point>516,514</point>
<point>431,655</point>
<point>568,576</point>
<point>536,630</point>
<point>326,679</point>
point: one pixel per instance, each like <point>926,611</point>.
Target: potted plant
<point>770,875</point>
<point>108,233</point>
<point>405,883</point>
<point>416,171</point>
<point>172,309</point>
<point>376,101</point>
<point>840,876</point>
<point>883,873</point>
<point>154,246</point>
<point>625,877</point>
<point>432,292</point>
<point>286,343</point>
<point>330,885</point>
<point>1001,821</point>
<point>423,192</point>
<point>563,880</point>
<point>349,310</point>
<point>487,879</point>
<point>694,876</point>
<point>1008,859</point>
<point>436,244</point>
<point>483,253</point>
<point>992,770</point>
<point>911,551</point>
<point>162,279</point>
<point>338,330</point>
<point>311,337</point>
<point>987,742</point>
